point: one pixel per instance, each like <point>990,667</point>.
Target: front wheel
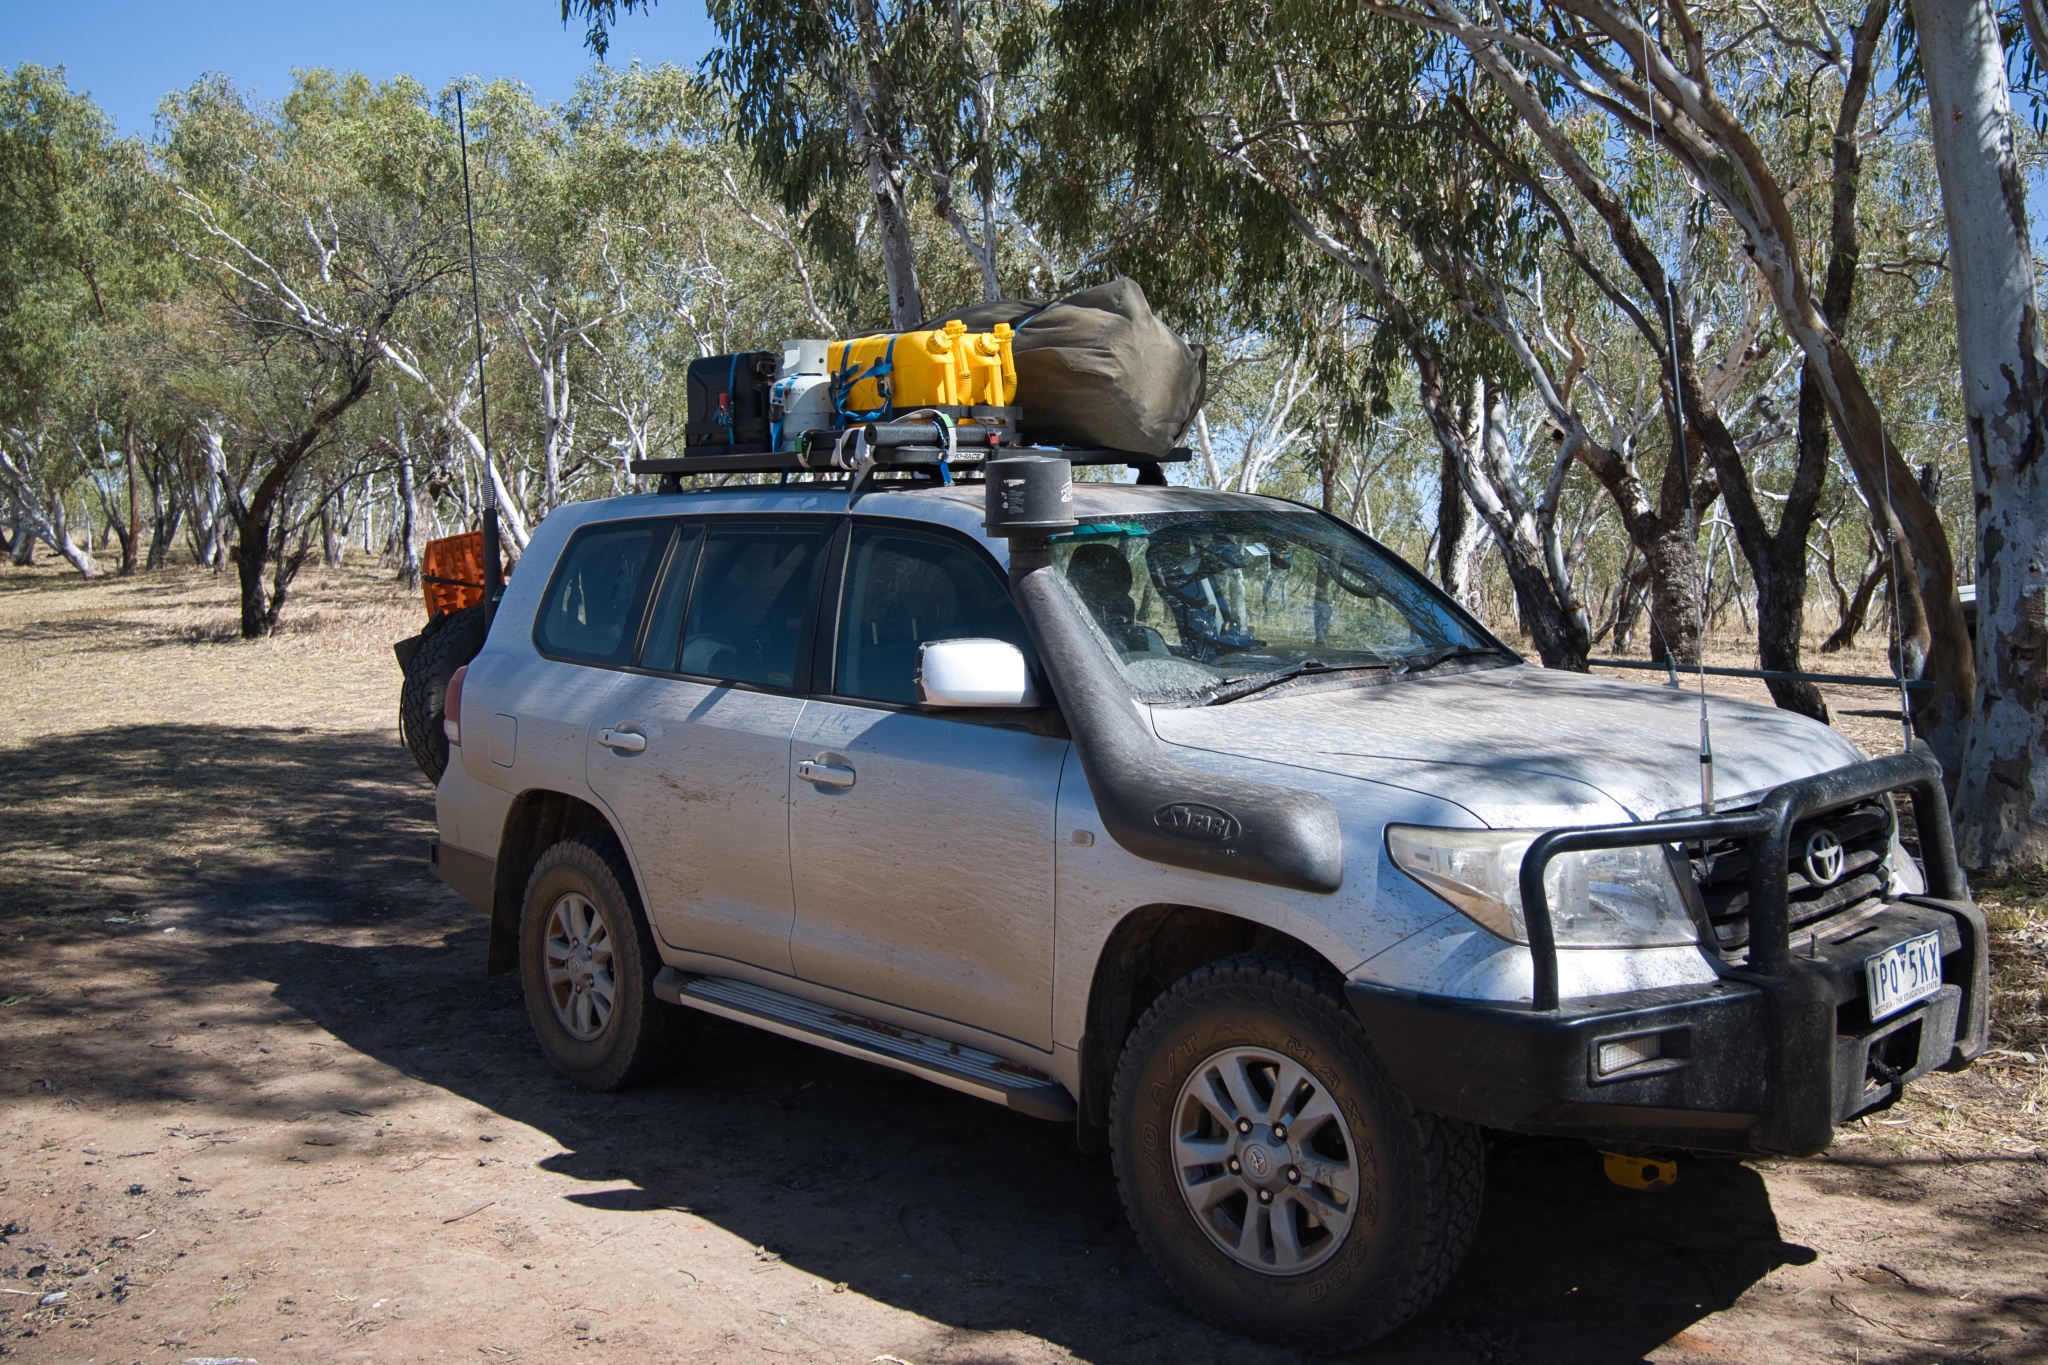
<point>1273,1174</point>
<point>587,964</point>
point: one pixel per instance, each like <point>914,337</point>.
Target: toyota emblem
<point>1824,858</point>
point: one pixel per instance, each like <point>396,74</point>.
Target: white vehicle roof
<point>958,506</point>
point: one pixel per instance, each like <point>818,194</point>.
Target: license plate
<point>1902,974</point>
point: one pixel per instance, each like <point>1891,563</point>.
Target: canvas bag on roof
<point>1098,369</point>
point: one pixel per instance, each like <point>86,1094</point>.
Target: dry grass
<point>165,648</point>
<point>2017,908</point>
<point>1869,716</point>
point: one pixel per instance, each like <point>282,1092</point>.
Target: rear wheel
<point>1274,1175</point>
<point>587,965</point>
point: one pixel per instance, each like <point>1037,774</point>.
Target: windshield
<point>1201,604</point>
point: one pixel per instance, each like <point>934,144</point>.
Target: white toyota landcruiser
<point>1196,820</point>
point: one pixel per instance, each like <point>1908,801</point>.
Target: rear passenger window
<point>747,610</point>
<point>591,613</point>
<point>904,590</point>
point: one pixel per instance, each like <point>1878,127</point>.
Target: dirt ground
<point>258,1101</point>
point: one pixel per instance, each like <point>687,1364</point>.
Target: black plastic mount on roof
<point>824,460</point>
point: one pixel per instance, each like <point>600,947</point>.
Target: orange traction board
<point>452,573</point>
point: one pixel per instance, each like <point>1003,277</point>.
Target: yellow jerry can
<point>941,367</point>
<point>990,366</point>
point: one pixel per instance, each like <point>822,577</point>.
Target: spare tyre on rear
<point>429,660</point>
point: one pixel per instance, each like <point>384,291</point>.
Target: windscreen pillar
<point>1150,804</point>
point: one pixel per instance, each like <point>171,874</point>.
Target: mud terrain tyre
<point>587,963</point>
<point>1274,1175</point>
<point>447,644</point>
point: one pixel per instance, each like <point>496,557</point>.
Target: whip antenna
<point>1891,545</point>
<point>494,569</point>
<point>1692,519</point>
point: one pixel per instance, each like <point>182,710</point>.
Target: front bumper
<point>1744,1065</point>
<point>1767,1060</point>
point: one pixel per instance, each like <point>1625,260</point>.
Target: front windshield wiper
<point>1422,663</point>
<point>1230,689</point>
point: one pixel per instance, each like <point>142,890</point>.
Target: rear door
<point>923,854</point>
<point>691,749</point>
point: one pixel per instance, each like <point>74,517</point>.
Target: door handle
<point>825,774</point>
<point>624,741</point>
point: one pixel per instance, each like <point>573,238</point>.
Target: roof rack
<point>885,445</point>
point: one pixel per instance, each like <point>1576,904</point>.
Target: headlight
<point>1608,898</point>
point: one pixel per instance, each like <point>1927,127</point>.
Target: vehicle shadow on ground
<point>296,859</point>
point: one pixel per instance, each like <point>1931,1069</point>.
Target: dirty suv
<point>1196,820</point>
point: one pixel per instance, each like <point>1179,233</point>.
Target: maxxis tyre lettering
<point>1420,1177</point>
<point>447,644</point>
<point>642,1040</point>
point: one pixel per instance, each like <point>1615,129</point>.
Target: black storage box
<point>727,398</point>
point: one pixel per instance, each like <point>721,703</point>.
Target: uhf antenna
<point>494,569</point>
<point>1891,542</point>
<point>1692,518</point>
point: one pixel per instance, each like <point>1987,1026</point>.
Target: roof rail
<point>884,445</point>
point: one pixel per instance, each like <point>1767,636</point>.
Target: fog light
<point>1624,1053</point>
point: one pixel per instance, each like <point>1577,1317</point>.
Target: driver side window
<point>903,590</point>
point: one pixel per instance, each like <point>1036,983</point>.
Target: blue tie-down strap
<point>844,383</point>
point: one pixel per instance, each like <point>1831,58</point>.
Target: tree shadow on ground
<point>296,858</point>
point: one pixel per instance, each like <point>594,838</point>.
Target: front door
<point>922,843</point>
<point>691,752</point>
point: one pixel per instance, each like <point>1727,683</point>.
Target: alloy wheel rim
<point>1265,1161</point>
<point>581,984</point>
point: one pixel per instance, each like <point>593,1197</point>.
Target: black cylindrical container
<point>886,435</point>
<point>1029,495</point>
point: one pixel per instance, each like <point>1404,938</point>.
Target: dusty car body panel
<point>1523,746</point>
<point>928,882</point>
<point>716,760</point>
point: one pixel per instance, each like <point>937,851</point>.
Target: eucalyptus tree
<point>310,230</point>
<point>1270,151</point>
<point>555,198</point>
<point>78,258</point>
<point>696,256</point>
<point>2002,794</point>
<point>914,101</point>
<point>1808,102</point>
<point>1675,80</point>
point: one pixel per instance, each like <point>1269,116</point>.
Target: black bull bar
<point>1769,824</point>
<point>1801,999</point>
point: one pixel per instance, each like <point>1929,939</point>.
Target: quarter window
<point>904,590</point>
<point>671,599</point>
<point>592,610</point>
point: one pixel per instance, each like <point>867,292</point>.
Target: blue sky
<point>130,53</point>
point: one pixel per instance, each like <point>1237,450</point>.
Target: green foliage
<point>79,251</point>
<point>1239,159</point>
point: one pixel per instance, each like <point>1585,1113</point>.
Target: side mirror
<point>974,673</point>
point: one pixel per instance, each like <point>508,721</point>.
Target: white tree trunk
<point>46,513</point>
<point>23,534</point>
<point>887,175</point>
<point>1209,464</point>
<point>2002,793</point>
<point>407,512</point>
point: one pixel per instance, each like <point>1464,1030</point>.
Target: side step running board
<point>968,1070</point>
